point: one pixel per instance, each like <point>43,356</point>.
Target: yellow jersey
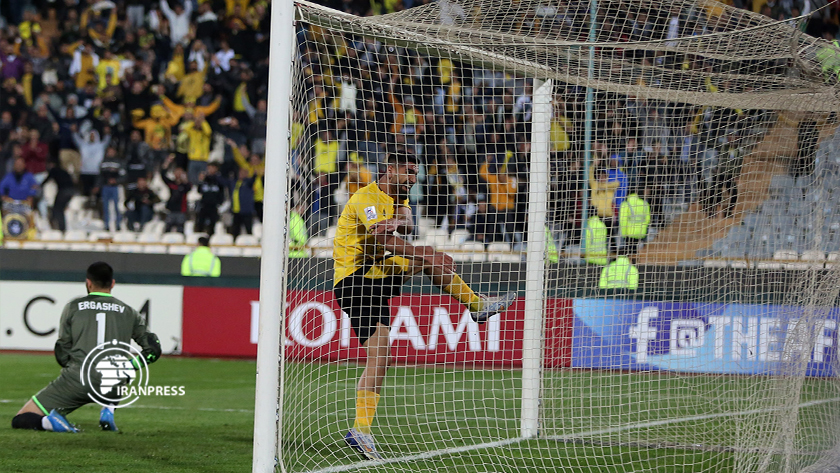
<point>353,247</point>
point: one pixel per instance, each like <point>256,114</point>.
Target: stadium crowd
<point>105,98</point>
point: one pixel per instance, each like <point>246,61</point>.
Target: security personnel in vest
<point>551,255</point>
<point>620,274</point>
<point>829,58</point>
<point>597,240</point>
<point>298,234</point>
<point>633,221</point>
<point>201,262</point>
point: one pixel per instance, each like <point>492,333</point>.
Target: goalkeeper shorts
<point>65,393</point>
<point>365,301</point>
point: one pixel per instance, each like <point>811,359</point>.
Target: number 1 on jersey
<point>100,328</point>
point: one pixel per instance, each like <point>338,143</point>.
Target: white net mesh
<point>685,318</point>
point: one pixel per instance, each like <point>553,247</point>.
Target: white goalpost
<point>658,183</point>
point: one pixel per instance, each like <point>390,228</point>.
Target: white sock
<point>110,408</point>
<point>46,424</point>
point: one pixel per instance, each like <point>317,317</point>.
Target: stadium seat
<point>75,235</point>
<point>256,251</point>
<point>741,264</point>
<point>179,249</point>
<point>128,248</point>
<point>172,238</point>
<point>155,249</point>
<point>228,251</point>
<point>459,236</point>
<point>125,237</point>
<point>33,245</point>
<point>471,251</point>
<point>715,263</point>
<point>320,243</point>
<point>812,259</point>
<point>221,239</point>
<point>99,235</point>
<point>154,226</point>
<point>148,238</point>
<point>12,244</point>
<point>832,260</point>
<point>498,246</point>
<point>322,252</point>
<point>192,239</point>
<point>257,229</point>
<point>785,255</point>
<point>247,240</point>
<point>88,246</point>
<point>436,237</point>
<point>51,235</point>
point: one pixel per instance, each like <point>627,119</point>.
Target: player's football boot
<point>106,420</point>
<point>492,306</point>
<point>363,443</point>
<point>60,423</point>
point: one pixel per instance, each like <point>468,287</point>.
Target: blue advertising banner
<point>704,338</point>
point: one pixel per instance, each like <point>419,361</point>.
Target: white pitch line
<point>206,409</point>
<point>502,443</point>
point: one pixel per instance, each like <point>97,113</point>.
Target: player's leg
<point>481,307</point>
<point>106,418</point>
<point>366,303</point>
<point>378,352</point>
<point>46,410</point>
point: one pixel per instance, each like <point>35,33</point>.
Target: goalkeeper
<point>86,323</point>
<point>366,277</point>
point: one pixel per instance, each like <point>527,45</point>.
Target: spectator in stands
<point>66,190</point>
<point>199,134</point>
<point>251,162</point>
<point>139,205</point>
<point>212,187</point>
<point>502,190</point>
<point>35,153</point>
<point>725,178</point>
<point>484,226</point>
<point>242,197</point>
<point>19,184</point>
<point>92,149</point>
<point>138,159</point>
<point>178,189</point>
<point>109,178</point>
<point>659,173</point>
<point>179,20</point>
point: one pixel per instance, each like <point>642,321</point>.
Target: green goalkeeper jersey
<point>89,321</point>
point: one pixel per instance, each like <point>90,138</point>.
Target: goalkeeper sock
<point>366,402</point>
<point>459,290</point>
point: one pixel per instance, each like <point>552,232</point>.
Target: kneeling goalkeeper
<point>86,323</point>
<point>366,277</point>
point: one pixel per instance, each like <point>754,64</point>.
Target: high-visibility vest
<point>596,241</point>
<point>620,274</point>
<point>550,247</point>
<point>201,263</point>
<point>634,217</point>
<point>829,59</point>
<point>298,235</point>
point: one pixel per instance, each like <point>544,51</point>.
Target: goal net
<point>656,181</point>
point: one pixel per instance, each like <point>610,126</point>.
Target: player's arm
<point>148,341</point>
<point>65,341</point>
<point>424,255</point>
<point>402,223</point>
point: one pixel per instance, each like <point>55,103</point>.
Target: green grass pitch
<point>422,412</point>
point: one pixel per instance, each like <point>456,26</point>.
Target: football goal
<point>655,186</point>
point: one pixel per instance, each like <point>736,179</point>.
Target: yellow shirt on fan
<point>353,247</point>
